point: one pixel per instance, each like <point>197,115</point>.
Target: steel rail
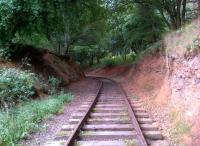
<point>75,132</point>
<point>134,121</point>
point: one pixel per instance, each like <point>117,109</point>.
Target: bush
<point>15,85</point>
<point>109,62</point>
<point>54,85</point>
<point>22,120</point>
<point>133,56</point>
<point>5,52</point>
<point>195,45</point>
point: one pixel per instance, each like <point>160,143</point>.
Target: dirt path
<point>82,91</point>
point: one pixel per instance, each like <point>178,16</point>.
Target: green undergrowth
<point>132,58</point>
<point>115,60</point>
<point>152,49</point>
<point>16,86</point>
<point>18,122</point>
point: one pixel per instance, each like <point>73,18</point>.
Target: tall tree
<point>173,12</point>
<point>133,27</point>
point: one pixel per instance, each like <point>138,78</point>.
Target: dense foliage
<point>15,86</point>
<point>88,30</point>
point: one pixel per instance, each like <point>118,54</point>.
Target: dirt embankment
<point>169,84</point>
<point>171,99</point>
<point>45,63</point>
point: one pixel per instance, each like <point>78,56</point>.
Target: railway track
<point>109,119</point>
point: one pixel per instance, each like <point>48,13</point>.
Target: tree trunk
<point>92,60</point>
<point>176,10</point>
<point>66,44</point>
<point>98,60</point>
<point>170,9</point>
<point>178,13</point>
<point>199,8</point>
<point>66,50</point>
<point>59,47</point>
<point>164,18</point>
<point>184,11</point>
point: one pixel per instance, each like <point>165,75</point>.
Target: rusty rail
<point>76,130</point>
<point>135,123</point>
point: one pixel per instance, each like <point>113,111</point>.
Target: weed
<point>130,143</point>
<point>64,133</point>
<point>181,127</point>
<point>149,87</point>
<point>135,97</point>
<point>194,46</point>
<point>86,133</point>
<point>124,118</point>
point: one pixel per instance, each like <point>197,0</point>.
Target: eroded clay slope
<point>45,63</point>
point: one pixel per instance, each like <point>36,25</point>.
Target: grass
<point>149,87</point>
<point>64,133</point>
<point>181,127</point>
<point>22,120</point>
<point>135,97</point>
<point>181,130</point>
<point>130,143</point>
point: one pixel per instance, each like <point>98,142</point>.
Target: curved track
<point>107,120</point>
